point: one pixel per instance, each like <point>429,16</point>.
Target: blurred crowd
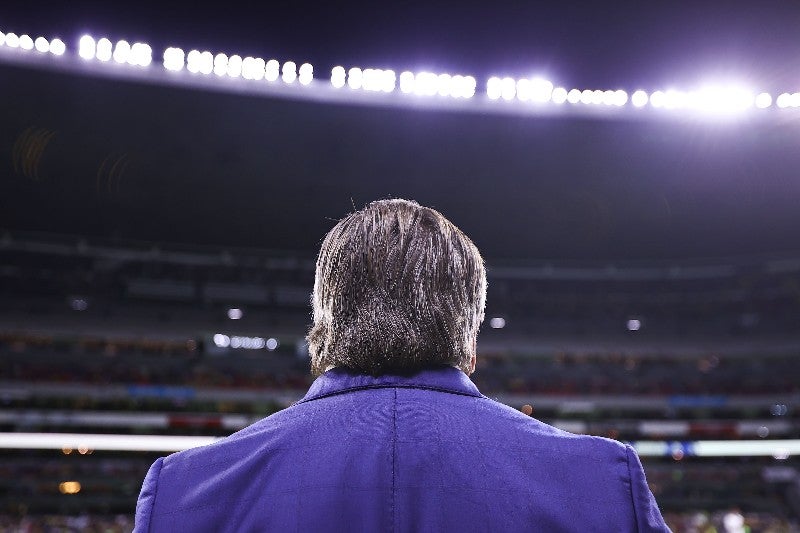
<point>730,521</point>
<point>99,362</point>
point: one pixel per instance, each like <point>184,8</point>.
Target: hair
<point>398,287</point>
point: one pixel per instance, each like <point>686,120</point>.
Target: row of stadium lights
<point>533,90</point>
<point>249,68</point>
<point>27,43</point>
<point>138,54</point>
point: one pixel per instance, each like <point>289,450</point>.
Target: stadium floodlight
<point>248,68</point>
<point>508,88</point>
<point>524,90</point>
<point>141,55</point>
<point>173,59</point>
<point>79,304</point>
<point>459,86</point>
<point>574,96</point>
<point>783,100</point>
<point>407,82</point>
<point>104,50</point>
<point>597,96</point>
<point>535,90</point>
<point>57,47</point>
<point>541,90</point>
<point>426,84</point>
<point>721,100</point>
<point>305,74</point>
<point>657,99</point>
<point>355,78</point>
<point>371,79</point>
<point>253,68</point>
<point>206,62</point>
<point>559,95</point>
<point>674,99</point>
<point>260,69</point>
<point>468,85</point>
<point>289,72</point>
<point>389,81</point>
<point>12,40</point>
<point>794,100</point>
<point>25,42</point>
<point>220,64</point>
<point>586,96</point>
<point>378,80</point>
<point>272,70</point>
<point>42,45</point>
<point>248,343</point>
<point>138,54</point>
<point>494,88</point>
<point>221,340</point>
<point>455,85</point>
<point>338,77</point>
<point>193,61</point>
<point>497,322</point>
<point>122,51</point>
<point>763,100</point>
<point>271,343</point>
<point>616,98</point>
<point>234,69</point>
<point>444,84</point>
<point>639,99</point>
<point>2,38</point>
<point>87,47</point>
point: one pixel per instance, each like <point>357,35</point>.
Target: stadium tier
<point>139,339</point>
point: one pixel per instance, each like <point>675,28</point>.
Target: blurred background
<point>633,188</point>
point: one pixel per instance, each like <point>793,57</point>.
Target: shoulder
<point>234,463</point>
<point>268,432</point>
<point>526,431</point>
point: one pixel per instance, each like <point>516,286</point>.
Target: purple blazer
<point>426,452</point>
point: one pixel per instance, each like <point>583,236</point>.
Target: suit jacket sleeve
<point>648,516</point>
<point>147,497</point>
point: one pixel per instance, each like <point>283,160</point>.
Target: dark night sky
<point>578,43</point>
<point>233,170</point>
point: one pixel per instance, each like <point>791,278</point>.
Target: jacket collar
<point>440,378</point>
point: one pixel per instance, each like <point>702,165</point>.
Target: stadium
<point>162,204</point>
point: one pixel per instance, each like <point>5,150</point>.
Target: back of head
<point>398,287</point>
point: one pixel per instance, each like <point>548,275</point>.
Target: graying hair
<point>398,287</point>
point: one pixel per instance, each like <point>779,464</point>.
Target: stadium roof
<point>101,156</point>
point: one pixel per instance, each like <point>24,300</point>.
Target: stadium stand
<point>139,339</point>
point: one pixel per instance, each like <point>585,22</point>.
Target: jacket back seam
<point>394,458</point>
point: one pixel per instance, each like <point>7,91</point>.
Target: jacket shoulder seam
<point>160,462</point>
<point>628,451</point>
